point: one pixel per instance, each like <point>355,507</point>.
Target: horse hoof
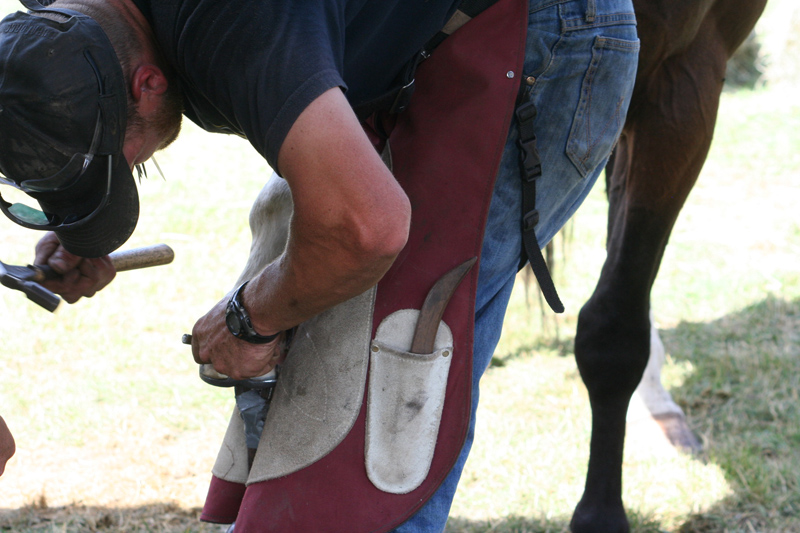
<point>678,433</point>
<point>599,519</point>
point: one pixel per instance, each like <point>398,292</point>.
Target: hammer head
<point>19,278</point>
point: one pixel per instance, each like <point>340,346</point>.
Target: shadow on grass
<point>155,518</point>
<point>741,398</point>
<point>741,395</point>
<point>515,524</point>
<point>526,524</point>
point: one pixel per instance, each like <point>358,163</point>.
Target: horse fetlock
<point>611,351</point>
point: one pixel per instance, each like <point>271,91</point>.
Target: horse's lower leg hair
<point>650,397</point>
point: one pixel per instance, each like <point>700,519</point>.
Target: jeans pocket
<point>605,96</point>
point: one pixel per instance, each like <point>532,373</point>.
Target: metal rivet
<point>510,74</point>
<point>530,80</point>
<point>445,353</point>
<point>375,348</point>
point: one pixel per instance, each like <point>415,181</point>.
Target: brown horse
<point>665,141</point>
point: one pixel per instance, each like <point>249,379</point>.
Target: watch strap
<point>246,330</point>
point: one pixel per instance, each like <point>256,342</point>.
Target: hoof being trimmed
<point>678,432</point>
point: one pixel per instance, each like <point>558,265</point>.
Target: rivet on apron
<point>510,74</point>
<point>445,353</point>
<point>375,348</point>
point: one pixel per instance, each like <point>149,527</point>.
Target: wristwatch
<point>239,323</point>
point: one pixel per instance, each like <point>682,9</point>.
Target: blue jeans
<point>582,56</point>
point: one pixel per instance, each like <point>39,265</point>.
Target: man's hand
<point>81,277</point>
<point>7,446</point>
<point>236,358</point>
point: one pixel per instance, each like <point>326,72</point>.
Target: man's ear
<point>148,83</point>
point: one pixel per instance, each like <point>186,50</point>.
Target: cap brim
<point>114,224</point>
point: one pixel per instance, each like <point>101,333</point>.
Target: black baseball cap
<point>63,113</point>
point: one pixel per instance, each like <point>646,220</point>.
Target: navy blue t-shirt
<point>251,67</point>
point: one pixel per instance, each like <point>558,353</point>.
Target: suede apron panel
<point>446,149</point>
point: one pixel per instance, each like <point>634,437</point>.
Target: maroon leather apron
<point>446,150</point>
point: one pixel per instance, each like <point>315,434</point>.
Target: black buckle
<point>526,112</point>
<point>530,160</point>
<point>529,153</point>
<point>530,220</point>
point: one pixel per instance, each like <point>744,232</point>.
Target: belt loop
<point>591,10</point>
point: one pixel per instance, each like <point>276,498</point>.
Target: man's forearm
<point>350,220</point>
<point>316,273</point>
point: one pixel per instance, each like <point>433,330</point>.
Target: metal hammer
<point>27,278</point>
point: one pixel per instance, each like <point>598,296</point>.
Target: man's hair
<point>127,44</point>
<point>123,36</point>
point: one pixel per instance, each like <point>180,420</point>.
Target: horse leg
<point>270,216</point>
<point>658,159</point>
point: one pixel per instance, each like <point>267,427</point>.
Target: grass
<point>115,432</point>
<point>728,302</point>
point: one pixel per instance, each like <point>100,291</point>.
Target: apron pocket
<point>404,404</point>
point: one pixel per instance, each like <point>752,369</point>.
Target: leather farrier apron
<point>359,475</point>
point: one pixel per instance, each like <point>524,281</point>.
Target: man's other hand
<point>80,277</point>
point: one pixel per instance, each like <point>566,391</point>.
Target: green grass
<point>106,386</point>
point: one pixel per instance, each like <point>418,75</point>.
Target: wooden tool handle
<point>147,256</point>
<point>158,254</point>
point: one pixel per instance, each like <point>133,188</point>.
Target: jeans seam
<point>621,45</point>
<point>546,68</point>
<point>591,147</point>
<point>597,56</point>
<point>591,11</point>
<point>574,24</point>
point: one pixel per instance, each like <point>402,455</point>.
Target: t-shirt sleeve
<point>252,69</point>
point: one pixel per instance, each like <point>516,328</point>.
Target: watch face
<point>233,323</point>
